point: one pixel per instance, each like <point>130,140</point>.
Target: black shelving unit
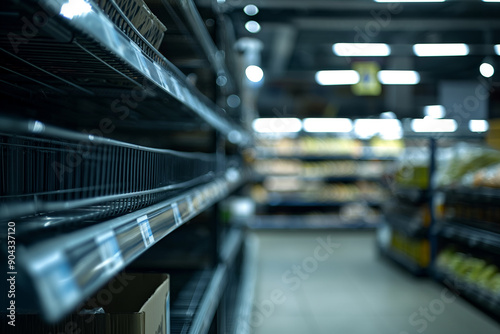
<point>96,169</point>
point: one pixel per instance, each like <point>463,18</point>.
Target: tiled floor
<point>335,282</point>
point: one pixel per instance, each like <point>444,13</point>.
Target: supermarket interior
<point>250,166</point>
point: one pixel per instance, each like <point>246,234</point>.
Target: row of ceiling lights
<point>364,128</point>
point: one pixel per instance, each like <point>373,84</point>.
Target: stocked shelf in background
<point>318,221</point>
<point>327,147</point>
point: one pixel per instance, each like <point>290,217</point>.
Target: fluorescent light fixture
<point>478,125</point>
<point>486,70</point>
<point>410,0</point>
<point>491,0</point>
<point>250,10</point>
<point>497,48</point>
<point>441,50</point>
<point>254,73</point>
<point>276,125</point>
<point>434,111</point>
<point>252,26</point>
<point>433,125</point>
<point>75,8</point>
<point>327,125</point>
<point>366,128</point>
<point>361,49</point>
<point>398,77</point>
<point>340,77</point>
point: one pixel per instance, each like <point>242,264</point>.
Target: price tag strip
<point>110,252</point>
<point>140,58</point>
<point>177,214</point>
<point>145,227</point>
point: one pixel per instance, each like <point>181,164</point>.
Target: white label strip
<point>110,251</point>
<point>191,208</point>
<point>147,234</point>
<point>142,61</point>
<point>163,78</point>
<point>177,214</point>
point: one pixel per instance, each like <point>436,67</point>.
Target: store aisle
<point>335,282</point>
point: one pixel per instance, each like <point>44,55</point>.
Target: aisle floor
<point>335,282</point>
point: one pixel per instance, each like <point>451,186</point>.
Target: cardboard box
<point>142,307</point>
<point>133,303</point>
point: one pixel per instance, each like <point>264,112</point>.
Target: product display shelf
<point>185,12</point>
<point>320,157</point>
<point>404,261</point>
<point>110,65</point>
<point>470,236</point>
<point>406,226</point>
<point>66,269</point>
<point>323,221</point>
<point>195,307</point>
<point>484,300</point>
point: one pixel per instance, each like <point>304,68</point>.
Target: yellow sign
<point>368,84</point>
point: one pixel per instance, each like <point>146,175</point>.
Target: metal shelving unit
<point>87,203</point>
<point>110,63</point>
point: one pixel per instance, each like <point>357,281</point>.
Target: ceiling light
<point>441,50</point>
<point>486,70</point>
<point>75,8</point>
<point>254,73</point>
<point>251,10</point>
<point>277,125</point>
<point>252,26</point>
<point>361,49</point>
<point>491,0</point>
<point>478,125</point>
<point>366,128</point>
<point>434,111</point>
<point>433,125</point>
<point>398,77</point>
<point>341,77</point>
<point>327,125</point>
<point>497,48</point>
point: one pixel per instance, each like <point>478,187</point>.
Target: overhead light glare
<point>340,77</point>
<point>361,49</point>
<point>478,125</point>
<point>486,70</point>
<point>254,73</point>
<point>441,50</point>
<point>391,77</point>
<point>252,26</point>
<point>251,10</point>
<point>433,125</point>
<point>277,125</point>
<point>341,125</point>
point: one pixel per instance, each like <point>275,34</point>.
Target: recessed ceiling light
<point>254,73</point>
<point>340,77</point>
<point>441,50</point>
<point>486,70</point>
<point>252,26</point>
<point>361,49</point>
<point>392,77</point>
<point>251,10</point>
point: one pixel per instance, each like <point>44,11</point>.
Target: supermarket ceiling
<point>298,36</point>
